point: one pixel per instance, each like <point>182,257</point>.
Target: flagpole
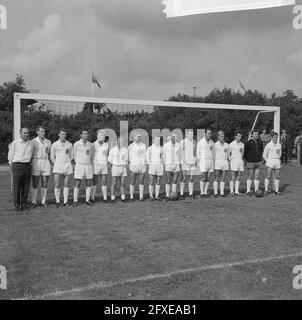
<point>92,95</point>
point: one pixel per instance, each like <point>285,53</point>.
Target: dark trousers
<point>285,156</point>
<point>21,182</point>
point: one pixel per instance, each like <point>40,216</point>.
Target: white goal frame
<point>146,103</point>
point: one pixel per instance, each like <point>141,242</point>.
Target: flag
<point>241,85</point>
<point>95,80</point>
<point>177,8</point>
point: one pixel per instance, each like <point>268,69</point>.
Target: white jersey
<point>188,151</point>
<point>118,156</point>
<point>41,148</point>
<point>100,152</point>
<point>154,155</point>
<point>221,151</point>
<point>171,153</point>
<point>137,153</point>
<point>82,152</point>
<point>272,151</point>
<point>236,150</point>
<point>61,152</point>
<point>205,150</point>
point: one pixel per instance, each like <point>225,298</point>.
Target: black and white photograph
<point>150,151</point>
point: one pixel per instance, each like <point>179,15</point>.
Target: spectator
<point>298,148</point>
<point>285,143</point>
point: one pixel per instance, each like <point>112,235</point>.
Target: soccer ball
<point>259,193</point>
<point>173,196</point>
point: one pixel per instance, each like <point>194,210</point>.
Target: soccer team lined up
<point>30,162</point>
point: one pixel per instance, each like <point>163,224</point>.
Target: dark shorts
<point>254,165</point>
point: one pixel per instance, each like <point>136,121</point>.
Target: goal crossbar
<point>136,102</point>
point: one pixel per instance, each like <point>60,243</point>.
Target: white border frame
<point>152,103</point>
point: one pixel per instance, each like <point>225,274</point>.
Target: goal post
<point>18,97</point>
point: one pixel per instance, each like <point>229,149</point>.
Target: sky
<point>137,52</point>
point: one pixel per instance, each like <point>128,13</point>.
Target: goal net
<point>124,117</point>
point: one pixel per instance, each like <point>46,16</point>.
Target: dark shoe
<point>123,200</point>
<point>113,201</point>
<point>278,193</point>
<point>158,199</point>
<point>223,195</point>
<point>167,199</point>
<point>66,205</point>
<point>33,205</point>
<point>249,194</point>
<point>89,203</point>
<point>58,204</point>
<point>105,201</point>
<point>181,197</point>
<point>44,205</point>
<point>151,199</point>
<point>131,199</point>
<point>141,199</point>
<point>232,194</point>
<point>75,204</point>
<point>207,195</point>
<point>216,195</point>
<point>91,200</point>
<point>191,198</point>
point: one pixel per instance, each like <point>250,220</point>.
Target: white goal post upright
<point>146,103</point>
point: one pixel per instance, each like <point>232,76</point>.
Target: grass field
<point>232,248</point>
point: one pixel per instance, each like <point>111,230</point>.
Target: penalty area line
<point>109,284</point>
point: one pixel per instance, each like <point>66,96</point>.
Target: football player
<point>83,169</point>
<point>61,155</point>
<point>40,166</point>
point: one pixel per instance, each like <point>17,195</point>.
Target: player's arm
<point>164,154</point>
<point>71,152</point>
<point>148,156</point>
<point>92,153</point>
<point>53,153</point>
<point>110,157</point>
<point>11,153</point>
<point>265,153</point>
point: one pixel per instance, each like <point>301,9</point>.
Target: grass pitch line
<point>108,284</point>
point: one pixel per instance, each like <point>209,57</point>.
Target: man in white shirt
<point>205,156</point>
<point>137,166</point>
<point>171,160</point>
<point>82,150</point>
<point>236,152</point>
<point>61,155</point>
<point>19,158</point>
<point>154,158</point>
<point>100,151</point>
<point>221,160</point>
<point>40,166</point>
<point>188,163</point>
<point>272,156</point>
<point>118,159</point>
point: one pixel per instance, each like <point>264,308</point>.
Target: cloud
<point>42,49</point>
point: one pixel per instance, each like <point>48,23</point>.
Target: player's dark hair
<point>83,130</point>
<point>274,134</point>
<point>39,127</point>
<point>255,130</point>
